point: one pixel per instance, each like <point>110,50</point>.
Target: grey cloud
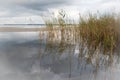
<point>44,5</point>
<point>38,7</point>
<point>35,7</point>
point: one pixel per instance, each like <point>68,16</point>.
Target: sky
<point>32,11</point>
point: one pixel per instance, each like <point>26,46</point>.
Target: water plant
<point>96,36</point>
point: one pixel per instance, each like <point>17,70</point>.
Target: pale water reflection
<point>23,57</point>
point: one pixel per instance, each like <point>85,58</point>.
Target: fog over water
<point>19,60</point>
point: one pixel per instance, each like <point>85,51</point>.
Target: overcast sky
<point>30,11</point>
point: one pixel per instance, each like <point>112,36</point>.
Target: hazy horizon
<point>32,11</point>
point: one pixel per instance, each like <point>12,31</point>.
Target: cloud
<point>13,8</point>
<point>43,5</point>
<point>20,8</point>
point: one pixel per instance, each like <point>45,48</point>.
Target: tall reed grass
<point>96,36</point>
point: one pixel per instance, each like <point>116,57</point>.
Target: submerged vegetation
<point>96,38</point>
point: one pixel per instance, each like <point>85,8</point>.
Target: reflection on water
<point>23,57</point>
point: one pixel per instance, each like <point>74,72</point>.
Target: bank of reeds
<point>96,36</point>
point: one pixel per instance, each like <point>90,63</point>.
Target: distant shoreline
<point>15,29</point>
<point>22,29</point>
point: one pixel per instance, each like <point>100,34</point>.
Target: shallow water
<point>23,57</point>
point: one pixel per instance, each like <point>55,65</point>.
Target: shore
<point>15,29</point>
<point>18,29</point>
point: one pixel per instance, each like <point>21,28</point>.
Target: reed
<point>97,36</point>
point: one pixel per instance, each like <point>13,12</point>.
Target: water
<point>23,57</point>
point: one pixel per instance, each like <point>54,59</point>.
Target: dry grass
<point>99,31</point>
<point>97,36</point>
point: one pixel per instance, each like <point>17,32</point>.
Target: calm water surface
<point>23,57</point>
